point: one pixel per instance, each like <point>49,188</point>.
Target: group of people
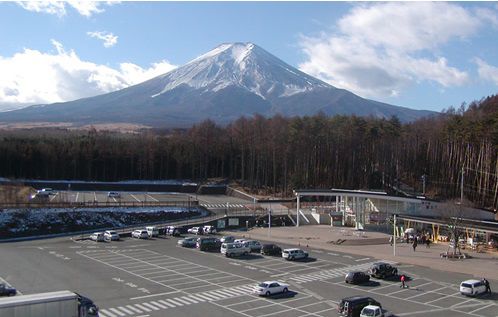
<point>423,239</point>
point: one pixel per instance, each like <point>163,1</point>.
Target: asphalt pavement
<point>156,277</point>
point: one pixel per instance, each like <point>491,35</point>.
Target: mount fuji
<point>230,81</point>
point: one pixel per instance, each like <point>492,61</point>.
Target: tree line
<point>278,154</point>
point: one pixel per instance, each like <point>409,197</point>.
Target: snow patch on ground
<point>26,222</point>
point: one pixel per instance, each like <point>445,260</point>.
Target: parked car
<point>111,235</point>
<point>372,311</point>
<point>140,234</point>
<point>49,191</point>
<point>294,254</point>
<point>270,287</point>
<point>208,244</point>
<point>382,270</point>
<point>196,230</point>
<point>352,306</point>
<point>188,242</point>
<point>234,249</point>
<point>113,195</point>
<point>209,229</point>
<point>271,249</point>
<point>40,195</point>
<point>152,231</point>
<point>357,277</point>
<point>6,290</point>
<point>97,236</point>
<point>172,231</point>
<point>254,246</point>
<point>227,239</point>
<point>472,287</point>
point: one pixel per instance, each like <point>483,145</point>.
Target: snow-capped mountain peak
<point>244,65</point>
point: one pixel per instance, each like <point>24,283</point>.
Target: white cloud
<point>486,71</point>
<point>34,77</point>
<point>85,8</point>
<point>109,39</point>
<point>50,7</point>
<point>378,50</point>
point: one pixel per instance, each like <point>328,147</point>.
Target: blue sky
<point>419,55</point>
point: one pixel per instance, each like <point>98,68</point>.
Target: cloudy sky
<point>422,55</point>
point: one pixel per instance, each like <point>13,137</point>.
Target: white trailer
<point>53,304</point>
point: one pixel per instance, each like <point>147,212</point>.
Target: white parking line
<point>152,197</point>
<point>363,259</point>
<point>135,198</point>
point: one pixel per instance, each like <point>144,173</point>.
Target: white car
<point>254,245</point>
<point>97,236</point>
<point>227,239</point>
<point>294,254</point>
<point>140,234</point>
<point>152,231</point>
<point>113,195</point>
<point>234,249</point>
<point>371,311</point>
<point>270,287</point>
<point>209,229</point>
<point>472,287</point>
<point>111,235</point>
<point>193,230</point>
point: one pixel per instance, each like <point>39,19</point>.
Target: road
<point>156,277</point>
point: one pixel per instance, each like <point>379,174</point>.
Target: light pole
<point>394,235</point>
<point>269,222</point>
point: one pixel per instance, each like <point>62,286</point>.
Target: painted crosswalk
<point>162,304</point>
<point>333,273</point>
<point>220,206</point>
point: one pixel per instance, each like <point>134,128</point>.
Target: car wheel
<point>291,258</point>
<point>285,290</point>
<point>268,293</point>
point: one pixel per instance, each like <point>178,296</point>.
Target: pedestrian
<point>486,283</point>
<point>428,242</point>
<point>423,239</point>
<point>407,237</point>
<point>415,244</point>
<point>391,240</point>
<point>403,278</point>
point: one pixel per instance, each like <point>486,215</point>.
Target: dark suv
<point>357,277</point>
<point>7,291</point>
<point>382,270</point>
<point>271,249</point>
<point>208,244</point>
<point>352,306</point>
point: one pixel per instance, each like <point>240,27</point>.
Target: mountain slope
<point>230,81</point>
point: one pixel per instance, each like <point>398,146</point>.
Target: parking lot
<point>156,277</point>
<point>101,197</point>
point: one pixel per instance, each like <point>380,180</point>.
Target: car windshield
<point>264,285</point>
<point>368,312</point>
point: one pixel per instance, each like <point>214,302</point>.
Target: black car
<point>352,306</point>
<point>382,270</point>
<point>7,291</point>
<point>208,244</point>
<point>271,249</point>
<point>357,277</point>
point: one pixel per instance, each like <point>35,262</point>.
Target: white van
<point>234,249</point>
<point>472,287</point>
<point>152,231</point>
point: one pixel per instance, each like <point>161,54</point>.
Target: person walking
<point>486,283</point>
<point>415,243</point>
<point>403,278</point>
<point>428,242</point>
<point>391,240</point>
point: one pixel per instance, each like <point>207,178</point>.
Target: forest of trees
<point>279,154</point>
